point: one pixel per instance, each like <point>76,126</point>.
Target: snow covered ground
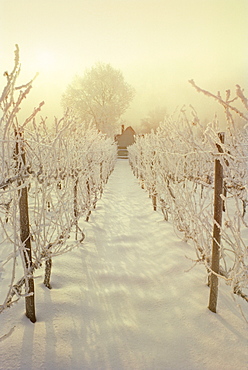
<point>125,300</point>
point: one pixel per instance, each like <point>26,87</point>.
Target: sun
<point>45,61</point>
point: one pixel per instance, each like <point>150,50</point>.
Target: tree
<point>153,119</point>
<point>101,96</point>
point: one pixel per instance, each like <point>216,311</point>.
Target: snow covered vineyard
<point>126,299</point>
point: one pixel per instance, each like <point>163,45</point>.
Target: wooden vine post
<point>24,228</point>
<point>75,202</point>
<point>153,190</point>
<point>218,208</point>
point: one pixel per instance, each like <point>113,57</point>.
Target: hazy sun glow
<point>157,44</point>
<point>45,60</point>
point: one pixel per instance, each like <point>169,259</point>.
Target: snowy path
<point>124,300</point>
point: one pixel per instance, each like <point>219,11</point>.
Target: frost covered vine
<point>176,166</point>
<point>63,167</point>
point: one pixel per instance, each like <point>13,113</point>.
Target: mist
<point>158,45</point>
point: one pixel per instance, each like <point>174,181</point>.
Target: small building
<point>125,139</point>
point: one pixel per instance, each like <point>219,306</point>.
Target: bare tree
<point>101,96</point>
<point>153,119</point>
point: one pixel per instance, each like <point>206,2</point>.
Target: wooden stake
<point>25,230</point>
<point>218,208</point>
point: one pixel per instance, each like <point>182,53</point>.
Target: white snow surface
<point>125,299</point>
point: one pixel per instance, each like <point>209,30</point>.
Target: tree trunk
<point>154,201</point>
<point>48,269</point>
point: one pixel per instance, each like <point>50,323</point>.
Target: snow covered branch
<point>175,164</point>
<point>62,167</point>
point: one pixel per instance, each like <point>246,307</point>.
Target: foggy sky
<point>157,44</point>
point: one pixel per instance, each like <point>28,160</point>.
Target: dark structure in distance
<point>123,140</point>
